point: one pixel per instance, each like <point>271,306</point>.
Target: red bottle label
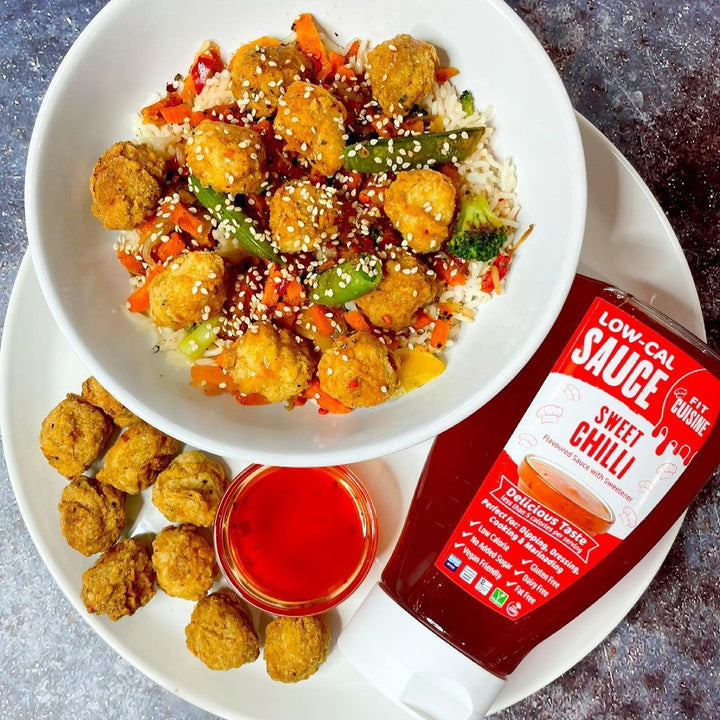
<point>621,415</point>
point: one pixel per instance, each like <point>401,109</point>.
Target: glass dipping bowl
<point>295,541</point>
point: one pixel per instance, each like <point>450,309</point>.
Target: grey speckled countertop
<point>646,73</point>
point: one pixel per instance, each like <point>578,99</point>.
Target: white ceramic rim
<point>592,634</point>
<point>558,290</point>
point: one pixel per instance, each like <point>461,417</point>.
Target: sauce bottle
<point>531,509</point>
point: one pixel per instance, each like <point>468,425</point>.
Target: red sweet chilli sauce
<point>531,509</point>
<point>297,533</point>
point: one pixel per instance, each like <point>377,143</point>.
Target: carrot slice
<point>193,224</point>
<point>251,399</point>
<point>284,316</point>
<point>321,321</point>
<point>172,247</point>
<point>440,334</point>
<point>356,321</point>
<point>210,378</point>
<point>176,113</point>
<point>337,63</point>
<point>188,89</point>
<point>352,50</point>
<point>443,74</point>
<point>153,113</point>
<point>451,172</point>
<point>311,45</point>
<point>294,293</point>
<point>326,402</point>
<point>139,300</point>
<point>131,263</point>
<point>453,272</point>
<point>271,292</point>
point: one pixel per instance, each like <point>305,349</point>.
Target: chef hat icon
<point>680,392</point>
<point>549,414</point>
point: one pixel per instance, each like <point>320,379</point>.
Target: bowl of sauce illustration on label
<point>564,495</point>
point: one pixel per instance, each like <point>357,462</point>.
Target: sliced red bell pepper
<point>502,263</point>
<point>205,66</point>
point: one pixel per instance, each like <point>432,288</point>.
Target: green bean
<point>347,280</point>
<point>222,207</point>
<point>411,151</point>
<point>199,338</point>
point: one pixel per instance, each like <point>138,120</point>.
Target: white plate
<point>628,241</point>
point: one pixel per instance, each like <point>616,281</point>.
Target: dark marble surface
<point>646,73</point>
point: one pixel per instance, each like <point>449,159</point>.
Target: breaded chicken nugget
<point>184,562</point>
<point>190,490</point>
<point>270,362</point>
<point>401,73</point>
<point>94,393</point>
<point>134,461</point>
<point>126,185</point>
<point>220,632</point>
<point>407,285</point>
<point>191,289</point>
<point>121,581</point>
<point>311,120</point>
<point>296,647</point>
<point>421,205</point>
<point>357,371</point>
<point>228,158</point>
<point>73,435</point>
<point>92,515</point>
<point>303,215</point>
<point>261,73</point>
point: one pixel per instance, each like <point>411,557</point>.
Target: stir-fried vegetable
<point>347,281</point>
<point>479,234</point>
<point>139,300</point>
<point>467,102</point>
<point>417,367</point>
<point>171,248</point>
<point>412,151</point>
<point>311,45</point>
<point>443,74</point>
<point>222,207</point>
<point>199,338</point>
<point>326,403</point>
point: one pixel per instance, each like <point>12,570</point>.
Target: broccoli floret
<point>467,102</point>
<point>479,234</point>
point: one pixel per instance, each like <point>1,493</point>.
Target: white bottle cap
<point>413,666</point>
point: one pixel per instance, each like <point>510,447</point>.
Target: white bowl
<point>132,48</point>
